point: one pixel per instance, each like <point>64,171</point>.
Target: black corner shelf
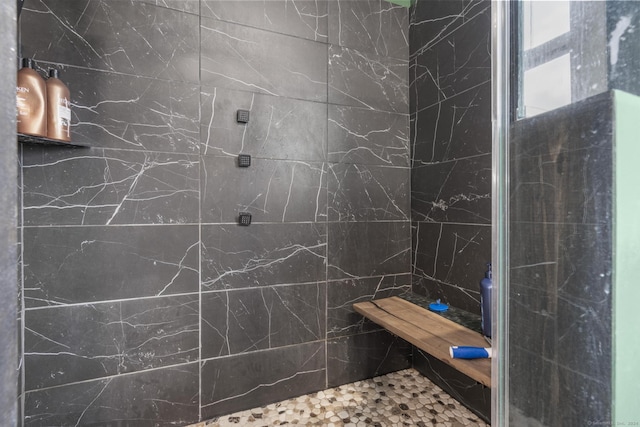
<point>38,140</point>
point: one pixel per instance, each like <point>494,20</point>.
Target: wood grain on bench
<point>429,332</point>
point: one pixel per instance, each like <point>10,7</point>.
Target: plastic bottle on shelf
<point>58,108</point>
<point>31,94</point>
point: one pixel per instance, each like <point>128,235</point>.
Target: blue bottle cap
<point>438,306</point>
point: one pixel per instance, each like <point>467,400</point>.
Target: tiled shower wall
<point>450,76</point>
<point>450,91</point>
<point>561,271</point>
<point>143,301</point>
<point>567,207</point>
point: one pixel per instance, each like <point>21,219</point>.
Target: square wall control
<point>244,218</point>
<point>244,160</point>
<point>242,116</point>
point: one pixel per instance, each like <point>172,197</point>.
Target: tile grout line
<point>200,172</point>
<point>326,221</point>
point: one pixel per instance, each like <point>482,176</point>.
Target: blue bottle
<point>485,302</point>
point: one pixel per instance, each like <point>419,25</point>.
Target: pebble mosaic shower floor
<point>404,398</point>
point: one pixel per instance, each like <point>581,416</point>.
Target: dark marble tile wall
<point>444,255</point>
<point>144,301</point>
<point>304,19</point>
<point>354,357</point>
<point>79,342</point>
<point>450,125</point>
<point>376,26</point>
<point>131,37</point>
<point>467,391</point>
<point>450,101</point>
<point>265,376</point>
<point>167,396</point>
<point>560,329</point>
<point>369,236</point>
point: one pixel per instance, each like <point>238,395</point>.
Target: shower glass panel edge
<point>500,117</point>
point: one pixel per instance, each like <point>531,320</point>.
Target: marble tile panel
<point>245,58</point>
<point>534,388</point>
<point>459,61</point>
<point>271,190</point>
<point>464,299</point>
<point>454,191</point>
<point>585,337</point>
<point>160,397</point>
<point>436,21</point>
<point>214,337</point>
<point>191,6</point>
<point>368,80</point>
<point>562,164</point>
<point>553,134</point>
<point>342,319</point>
<point>301,18</point>
<point>244,320</point>
<point>68,265</point>
<point>366,249</point>
<point>563,299</point>
<point>368,193</point>
<point>362,136</point>
<point>114,110</point>
<point>554,394</point>
<point>473,395</point>
<point>262,254</point>
<point>69,344</point>
<point>121,36</point>
<point>535,312</point>
<point>108,187</point>
<point>258,378</point>
<point>583,400</point>
<point>533,260</point>
<point>362,356</point>
<point>374,26</point>
<point>454,255</point>
<point>571,260</point>
<point>278,128</point>
<point>456,128</point>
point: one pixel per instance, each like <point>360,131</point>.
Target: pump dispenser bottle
<point>58,108</point>
<point>31,101</point>
<point>486,286</point>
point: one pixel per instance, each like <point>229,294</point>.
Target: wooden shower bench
<point>429,332</point>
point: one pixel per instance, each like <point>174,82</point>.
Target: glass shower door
<point>565,88</point>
